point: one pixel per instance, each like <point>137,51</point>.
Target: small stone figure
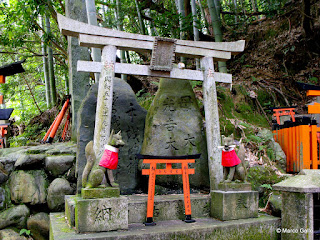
<point>96,169</point>
<point>232,162</point>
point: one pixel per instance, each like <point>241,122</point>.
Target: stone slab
<point>234,204</point>
<point>93,193</point>
<point>262,228</point>
<point>70,209</point>
<point>101,215</point>
<point>309,183</point>
<point>233,186</point>
<point>166,207</point>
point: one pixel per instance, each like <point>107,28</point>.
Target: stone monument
<point>174,127</point>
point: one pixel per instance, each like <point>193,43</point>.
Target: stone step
<point>263,227</point>
<point>166,207</point>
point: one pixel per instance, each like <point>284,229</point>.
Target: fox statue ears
<point>111,136</point>
<point>118,132</point>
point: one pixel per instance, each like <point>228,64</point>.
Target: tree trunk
<point>216,25</point>
<point>53,91</point>
<point>203,15</point>
<point>306,23</point>
<point>141,23</point>
<point>92,20</point>
<point>46,68</point>
<point>120,28</point>
<point>195,29</point>
<point>182,15</point>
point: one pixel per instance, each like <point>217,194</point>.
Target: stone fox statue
<point>232,162</point>
<point>96,169</point>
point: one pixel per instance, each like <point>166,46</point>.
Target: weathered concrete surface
<point>106,192</point>
<point>210,104</point>
<point>262,228</point>
<point>166,207</point>
<point>234,204</point>
<point>101,215</point>
<point>233,186</point>
<point>307,182</point>
<point>104,100</point>
<point>297,216</point>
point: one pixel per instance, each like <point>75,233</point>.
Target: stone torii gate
<point>163,52</point>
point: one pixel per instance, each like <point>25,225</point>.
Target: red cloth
<point>109,158</point>
<point>230,158</point>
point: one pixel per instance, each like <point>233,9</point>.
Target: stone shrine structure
<point>163,52</point>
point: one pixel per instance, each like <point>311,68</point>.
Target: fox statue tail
<point>90,155</point>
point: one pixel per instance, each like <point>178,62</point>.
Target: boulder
<point>14,216</point>
<point>3,174</point>
<point>9,234</point>
<point>39,224</point>
<point>275,204</point>
<point>27,161</point>
<point>5,199</point>
<point>67,148</point>
<point>265,134</point>
<point>28,186</point>
<point>85,130</point>
<point>174,127</point>
<point>279,155</point>
<point>56,192</point>
<point>129,117</point>
<point>58,165</point>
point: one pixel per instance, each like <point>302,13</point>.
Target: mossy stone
<point>104,192</point>
<point>174,127</point>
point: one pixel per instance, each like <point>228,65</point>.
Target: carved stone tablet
<point>163,54</point>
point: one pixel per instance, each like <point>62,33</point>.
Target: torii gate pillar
<point>212,123</point>
<point>104,101</point>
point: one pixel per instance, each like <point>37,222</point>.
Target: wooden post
<point>210,103</point>
<point>104,100</point>
<point>314,147</point>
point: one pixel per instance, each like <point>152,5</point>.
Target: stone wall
<point>33,182</point>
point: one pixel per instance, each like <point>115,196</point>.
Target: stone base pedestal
<point>101,215</point>
<point>231,205</point>
<point>106,192</point>
<point>234,186</point>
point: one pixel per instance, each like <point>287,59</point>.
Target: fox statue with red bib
<point>233,163</point>
<point>96,169</point>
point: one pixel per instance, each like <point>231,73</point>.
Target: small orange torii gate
<point>163,52</point>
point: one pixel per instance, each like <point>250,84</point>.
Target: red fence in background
<point>300,142</point>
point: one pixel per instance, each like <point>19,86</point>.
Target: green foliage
<point>25,232</point>
<point>261,179</point>
<point>31,133</point>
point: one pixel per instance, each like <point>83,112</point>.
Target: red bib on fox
<point>230,158</point>
<point>109,158</point>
